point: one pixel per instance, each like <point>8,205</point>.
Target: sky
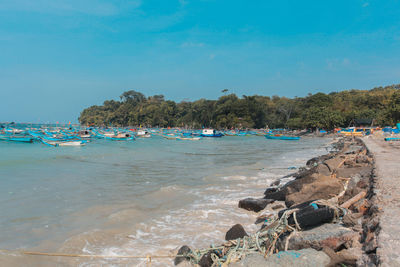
<point>58,57</point>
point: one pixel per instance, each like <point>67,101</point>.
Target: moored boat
<point>210,133</point>
<point>13,138</point>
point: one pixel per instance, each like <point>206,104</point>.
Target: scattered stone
<point>305,258</point>
<point>323,169</point>
<point>275,193</point>
<point>206,260</point>
<point>254,204</point>
<point>334,163</point>
<point>352,219</point>
<point>326,235</point>
<point>184,250</point>
<point>353,149</point>
<point>343,257</point>
<point>236,231</point>
<point>350,172</point>
<point>363,159</point>
<point>317,160</point>
<point>317,187</point>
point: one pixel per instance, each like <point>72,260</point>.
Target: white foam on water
<point>205,220</point>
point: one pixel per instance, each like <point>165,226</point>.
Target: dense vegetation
<point>327,111</point>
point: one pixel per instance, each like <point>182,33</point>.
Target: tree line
<point>320,110</point>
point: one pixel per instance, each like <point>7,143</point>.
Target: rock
<point>371,245</point>
<point>363,159</point>
<point>236,231</point>
<point>318,187</point>
<point>206,260</point>
<point>343,257</point>
<point>305,258</point>
<point>334,163</point>
<point>317,160</point>
<point>353,149</point>
<point>275,193</point>
<point>275,183</point>
<point>352,219</point>
<point>254,204</point>
<point>182,251</point>
<point>326,235</point>
<point>303,172</point>
<point>323,170</point>
<point>361,206</point>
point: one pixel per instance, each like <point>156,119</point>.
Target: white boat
<point>210,133</point>
<point>65,143</point>
<point>143,134</point>
<point>72,143</point>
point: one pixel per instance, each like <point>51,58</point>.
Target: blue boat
<point>392,139</point>
<point>282,137</point>
<point>23,139</point>
<point>210,133</point>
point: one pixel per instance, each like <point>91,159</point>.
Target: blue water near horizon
<point>52,195</point>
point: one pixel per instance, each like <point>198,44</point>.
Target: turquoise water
<point>147,196</point>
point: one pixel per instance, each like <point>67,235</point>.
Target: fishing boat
<point>170,136</point>
<point>65,143</point>
<point>13,138</point>
<point>282,137</point>
<point>122,136</point>
<point>392,139</point>
<point>210,133</point>
<point>143,134</point>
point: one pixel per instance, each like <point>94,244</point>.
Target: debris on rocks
<point>330,218</point>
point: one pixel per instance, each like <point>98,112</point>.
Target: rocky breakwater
<point>324,216</point>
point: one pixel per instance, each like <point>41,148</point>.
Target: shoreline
<point>345,175</point>
<point>199,213</point>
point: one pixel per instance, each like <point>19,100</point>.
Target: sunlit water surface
<point>147,196</point>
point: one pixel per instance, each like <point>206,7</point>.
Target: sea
<point>144,197</point>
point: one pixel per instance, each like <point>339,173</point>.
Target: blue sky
<point>60,56</point>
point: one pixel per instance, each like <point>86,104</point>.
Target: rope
<point>263,241</point>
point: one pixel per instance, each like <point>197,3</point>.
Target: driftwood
<point>353,200</point>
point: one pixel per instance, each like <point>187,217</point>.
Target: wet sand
<point>387,156</point>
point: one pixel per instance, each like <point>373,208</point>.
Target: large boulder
<point>254,204</point>
<point>334,163</point>
<point>236,231</point>
<point>315,187</point>
<point>184,250</point>
<point>327,235</point>
<point>350,172</point>
<point>275,193</point>
<point>305,258</point>
<point>323,169</point>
